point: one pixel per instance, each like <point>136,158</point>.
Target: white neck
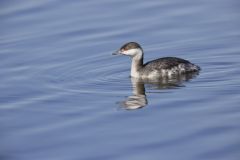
<point>137,64</point>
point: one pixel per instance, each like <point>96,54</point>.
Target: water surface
<point>64,96</point>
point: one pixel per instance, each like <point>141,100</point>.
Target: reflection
<point>139,98</point>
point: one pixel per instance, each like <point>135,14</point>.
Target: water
<point>64,96</point>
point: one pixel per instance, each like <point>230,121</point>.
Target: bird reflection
<point>139,99</point>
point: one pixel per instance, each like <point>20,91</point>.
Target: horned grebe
<point>162,67</point>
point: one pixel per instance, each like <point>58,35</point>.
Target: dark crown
<point>130,45</point>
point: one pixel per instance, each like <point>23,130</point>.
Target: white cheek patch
<point>130,52</point>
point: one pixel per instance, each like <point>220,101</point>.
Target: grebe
<point>161,67</point>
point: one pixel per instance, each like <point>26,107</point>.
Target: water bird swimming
<point>165,67</point>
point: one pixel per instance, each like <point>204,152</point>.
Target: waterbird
<point>165,67</point>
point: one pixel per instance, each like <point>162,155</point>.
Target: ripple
<point>91,74</point>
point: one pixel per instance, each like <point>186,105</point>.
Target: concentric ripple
<point>89,75</point>
<point>61,87</point>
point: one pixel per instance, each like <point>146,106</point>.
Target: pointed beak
<point>118,52</point>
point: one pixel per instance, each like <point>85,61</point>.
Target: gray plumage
<point>161,67</point>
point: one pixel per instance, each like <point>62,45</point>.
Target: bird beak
<point>118,52</point>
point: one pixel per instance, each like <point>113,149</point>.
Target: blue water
<point>65,97</point>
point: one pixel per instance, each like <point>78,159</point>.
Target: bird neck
<point>137,64</point>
